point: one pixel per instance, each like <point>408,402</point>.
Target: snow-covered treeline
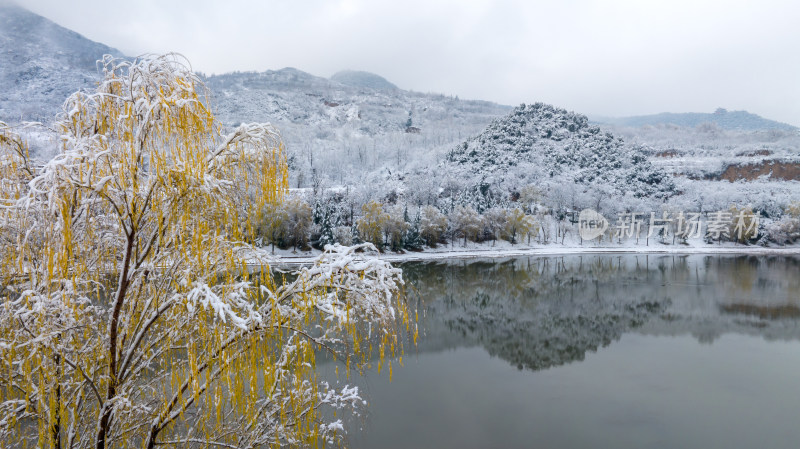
<point>306,220</point>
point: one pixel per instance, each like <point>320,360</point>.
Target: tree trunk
<point>111,392</point>
<point>56,428</point>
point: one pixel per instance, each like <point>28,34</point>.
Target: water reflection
<point>674,351</point>
<point>540,312</point>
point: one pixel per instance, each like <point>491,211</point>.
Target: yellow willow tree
<point>131,314</point>
<point>370,224</point>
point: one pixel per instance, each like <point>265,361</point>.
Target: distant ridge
<point>730,120</point>
<point>41,63</point>
<point>356,78</point>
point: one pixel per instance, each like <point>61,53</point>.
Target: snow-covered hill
<point>352,132</point>
<point>41,63</point>
<point>540,144</point>
<point>715,167</point>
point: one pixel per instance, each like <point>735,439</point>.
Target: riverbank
<point>502,249</point>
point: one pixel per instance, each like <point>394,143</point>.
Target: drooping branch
<point>134,244</point>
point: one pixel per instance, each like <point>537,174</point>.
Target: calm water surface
<point>589,351</point>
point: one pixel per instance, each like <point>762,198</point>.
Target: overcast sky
<point>610,58</point>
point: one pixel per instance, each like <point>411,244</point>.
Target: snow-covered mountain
<point>291,96</point>
<point>539,144</point>
<point>351,129</point>
<point>722,118</point>
<point>359,133</point>
<point>41,64</point>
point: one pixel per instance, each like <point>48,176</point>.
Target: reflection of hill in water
<point>541,340</point>
<point>540,312</point>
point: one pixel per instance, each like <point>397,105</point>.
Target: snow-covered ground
<point>501,249</point>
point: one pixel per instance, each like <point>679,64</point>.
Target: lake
<point>585,351</point>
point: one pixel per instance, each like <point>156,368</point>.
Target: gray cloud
<point>611,57</point>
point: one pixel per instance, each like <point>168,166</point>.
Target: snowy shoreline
<point>486,251</point>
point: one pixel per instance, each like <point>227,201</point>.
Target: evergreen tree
<point>413,238</point>
<point>326,232</point>
<point>319,212</point>
<point>326,217</point>
<point>355,236</point>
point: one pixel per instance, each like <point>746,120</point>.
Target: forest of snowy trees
<point>524,178</point>
<point>303,222</point>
